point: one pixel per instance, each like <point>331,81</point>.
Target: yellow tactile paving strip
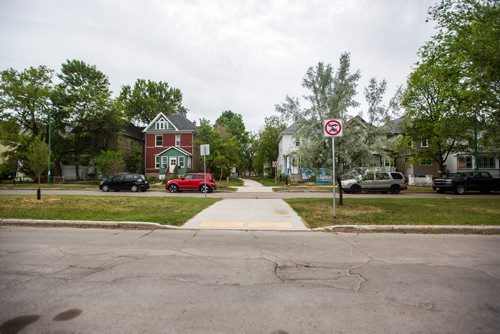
<point>249,225</point>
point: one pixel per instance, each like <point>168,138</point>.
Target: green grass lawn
<point>73,185</point>
<point>393,211</point>
<point>162,210</point>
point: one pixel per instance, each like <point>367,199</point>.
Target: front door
<point>172,164</point>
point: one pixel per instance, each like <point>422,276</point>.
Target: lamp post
<point>50,142</point>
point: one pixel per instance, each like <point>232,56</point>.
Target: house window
<point>182,162</point>
<point>297,142</point>
<point>189,162</point>
<point>161,124</point>
<point>464,162</point>
<point>159,140</point>
<point>410,143</point>
<point>424,143</point>
<point>157,165</point>
<point>177,140</point>
<point>164,161</point>
<point>486,162</point>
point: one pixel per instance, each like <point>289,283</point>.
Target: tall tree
<point>25,96</point>
<point>267,146</point>
<point>436,110</point>
<point>467,34</point>
<point>233,124</point>
<point>224,149</point>
<point>85,107</point>
<point>142,102</point>
<point>38,159</point>
<point>331,94</point>
<point>462,64</point>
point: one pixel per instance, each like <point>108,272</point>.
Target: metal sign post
<point>333,128</point>
<point>205,150</point>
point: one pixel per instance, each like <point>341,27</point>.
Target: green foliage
<point>266,145</point>
<point>84,107</point>
<point>232,124</point>
<point>225,152</point>
<point>38,157</point>
<point>142,102</point>
<point>134,159</point>
<point>25,97</point>
<point>109,163</point>
<point>457,79</point>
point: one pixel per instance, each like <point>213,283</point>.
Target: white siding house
<point>288,162</point>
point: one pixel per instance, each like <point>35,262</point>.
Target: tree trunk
<point>341,192</point>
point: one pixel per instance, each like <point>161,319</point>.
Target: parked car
<point>376,181</point>
<point>126,181</point>
<point>192,181</point>
<point>462,182</point>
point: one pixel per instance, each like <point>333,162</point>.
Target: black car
<point>132,182</point>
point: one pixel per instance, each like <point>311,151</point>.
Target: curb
<point>437,229</point>
<point>419,229</point>
<point>87,224</point>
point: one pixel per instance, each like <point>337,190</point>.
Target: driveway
<point>248,214</point>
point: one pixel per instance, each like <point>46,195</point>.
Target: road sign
<point>333,128</point>
<point>205,150</point>
<point>275,164</point>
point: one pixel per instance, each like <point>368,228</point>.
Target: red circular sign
<point>333,127</point>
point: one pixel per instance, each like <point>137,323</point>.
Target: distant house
<point>169,145</point>
<point>288,160</point>
<point>428,168</point>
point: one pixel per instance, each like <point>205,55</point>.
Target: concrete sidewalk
<point>248,214</point>
<point>251,186</point>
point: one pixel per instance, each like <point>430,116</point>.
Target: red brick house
<point>169,143</point>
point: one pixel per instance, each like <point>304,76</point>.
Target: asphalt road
<point>124,281</point>
<point>236,195</point>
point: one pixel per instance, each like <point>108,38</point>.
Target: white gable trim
<point>160,115</point>
<point>174,148</point>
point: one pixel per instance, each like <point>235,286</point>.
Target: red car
<point>192,181</point>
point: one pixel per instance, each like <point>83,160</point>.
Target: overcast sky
<point>245,56</point>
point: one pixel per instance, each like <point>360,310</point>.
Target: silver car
<point>393,182</point>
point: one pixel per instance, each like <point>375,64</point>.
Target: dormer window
<point>161,124</point>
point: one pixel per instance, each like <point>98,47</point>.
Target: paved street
<point>243,194</point>
<point>67,280</point>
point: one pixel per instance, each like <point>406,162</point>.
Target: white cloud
<point>240,55</point>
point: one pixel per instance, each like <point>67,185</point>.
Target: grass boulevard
<point>315,212</point>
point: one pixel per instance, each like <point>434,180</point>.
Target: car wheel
<point>355,189</point>
<point>173,188</point>
<point>395,189</point>
<point>134,188</point>
<point>105,188</point>
<point>460,189</point>
<point>204,188</point>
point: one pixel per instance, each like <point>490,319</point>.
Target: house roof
<point>179,121</point>
<point>174,148</point>
<point>133,131</point>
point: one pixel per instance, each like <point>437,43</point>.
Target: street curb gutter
<point>437,229</point>
<point>86,224</point>
<point>420,229</point>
